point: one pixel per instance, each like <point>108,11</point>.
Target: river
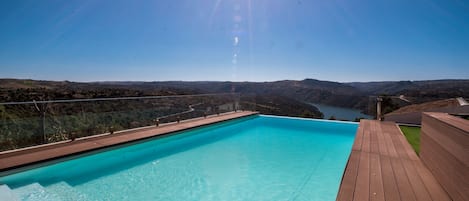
<point>340,112</point>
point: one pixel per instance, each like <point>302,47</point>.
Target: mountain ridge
<point>348,94</point>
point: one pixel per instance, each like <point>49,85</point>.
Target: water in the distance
<point>264,158</point>
<point>340,112</point>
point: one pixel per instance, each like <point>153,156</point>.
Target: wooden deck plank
<point>374,139</point>
<point>401,152</point>
<point>451,120</point>
<point>350,178</point>
<point>418,186</point>
<point>387,173</point>
<point>357,145</point>
<point>383,150</point>
<point>366,146</point>
<point>387,138</point>
<point>407,158</point>
<point>435,190</point>
<point>402,181</point>
<point>385,167</point>
<point>456,143</point>
<point>391,191</point>
<point>362,189</point>
<point>362,186</point>
<point>376,180</point>
<point>435,154</point>
<point>444,149</point>
<point>403,185</point>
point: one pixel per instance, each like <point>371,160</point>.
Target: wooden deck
<point>40,154</point>
<point>383,166</point>
<point>444,149</point>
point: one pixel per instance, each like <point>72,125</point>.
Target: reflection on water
<point>340,112</point>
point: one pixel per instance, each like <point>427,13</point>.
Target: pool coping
<point>15,161</point>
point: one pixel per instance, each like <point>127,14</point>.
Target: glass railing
<point>25,124</point>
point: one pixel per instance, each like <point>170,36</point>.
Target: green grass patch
<point>413,136</point>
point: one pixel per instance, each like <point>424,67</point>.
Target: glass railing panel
<point>25,124</point>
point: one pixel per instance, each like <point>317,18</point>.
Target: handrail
<point>191,109</point>
<point>109,99</point>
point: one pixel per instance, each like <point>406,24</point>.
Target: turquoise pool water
<point>261,158</point>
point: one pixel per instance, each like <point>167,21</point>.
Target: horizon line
<point>231,81</point>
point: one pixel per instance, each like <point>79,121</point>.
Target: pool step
<point>66,192</point>
<point>35,192</point>
<point>6,194</point>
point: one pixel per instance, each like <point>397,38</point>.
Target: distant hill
<point>263,98</point>
<point>308,90</point>
<point>358,95</point>
<point>376,88</point>
<point>428,88</point>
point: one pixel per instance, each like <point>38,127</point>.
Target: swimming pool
<point>260,158</point>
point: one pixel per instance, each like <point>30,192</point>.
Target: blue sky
<point>234,40</point>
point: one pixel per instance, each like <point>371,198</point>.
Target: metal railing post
<point>378,108</point>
